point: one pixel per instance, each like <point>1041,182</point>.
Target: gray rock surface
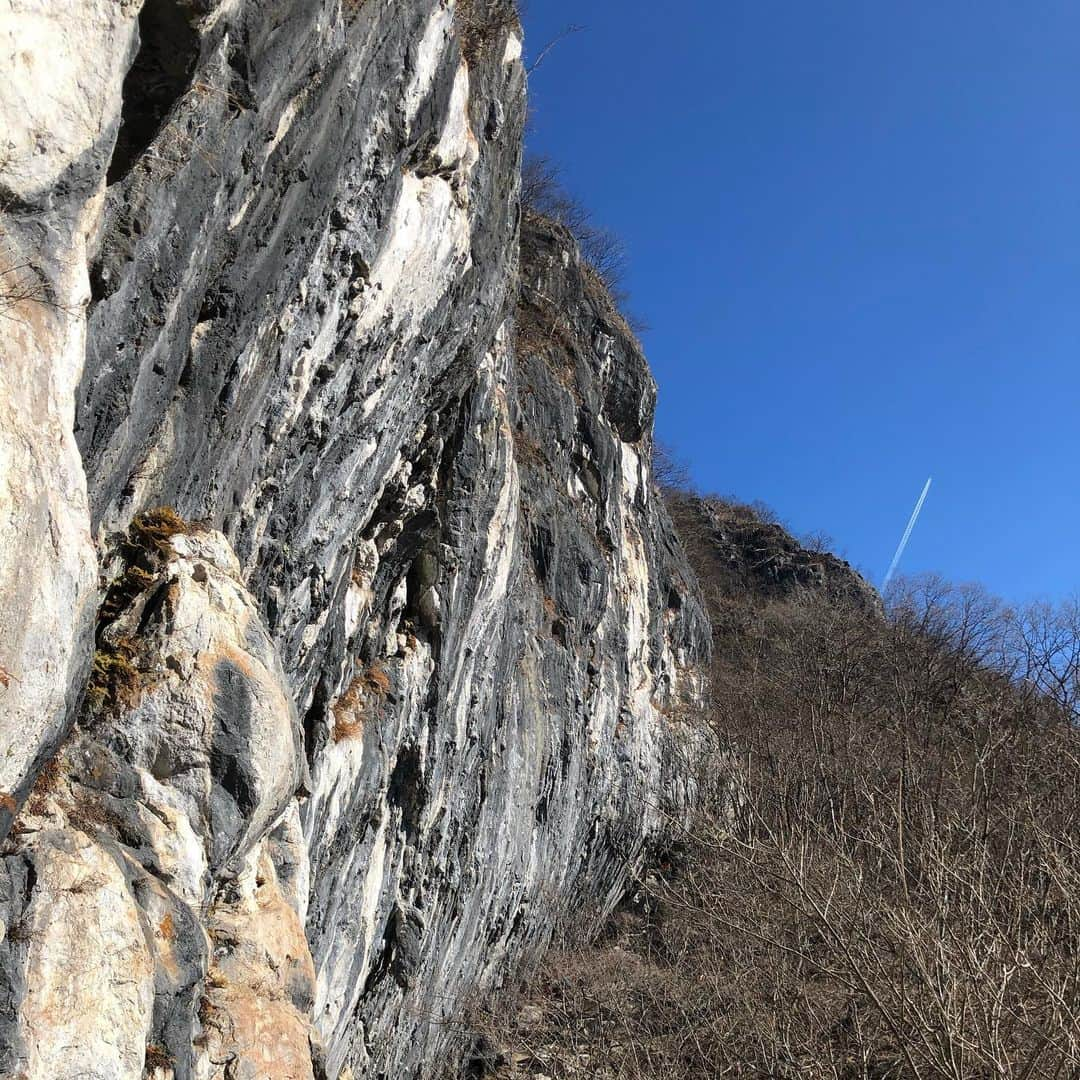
<point>405,694</point>
<point>747,555</point>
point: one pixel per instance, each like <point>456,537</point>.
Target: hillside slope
<point>881,879</point>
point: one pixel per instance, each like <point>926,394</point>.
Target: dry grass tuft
<point>154,529</point>
<point>377,680</point>
<point>92,814</point>
<point>157,1057</point>
<point>45,784</point>
<point>116,682</point>
<point>347,727</point>
<point>480,23</point>
<point>352,708</point>
<point>350,9</point>
<point>527,450</point>
<point>348,712</point>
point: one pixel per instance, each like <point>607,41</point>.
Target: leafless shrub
<point>765,513</point>
<point>817,541</point>
<point>542,192</point>
<point>541,189</point>
<point>1046,646</point>
<point>349,712</point>
<point>732,508</point>
<point>553,43</point>
<point>21,284</point>
<point>669,471</point>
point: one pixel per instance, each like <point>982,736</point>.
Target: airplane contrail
<point>907,535</point>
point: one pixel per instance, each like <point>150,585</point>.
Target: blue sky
<point>854,230</point>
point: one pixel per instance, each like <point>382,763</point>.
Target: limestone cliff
<point>342,635</point>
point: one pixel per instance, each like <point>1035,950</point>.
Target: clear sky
<point>853,227</point>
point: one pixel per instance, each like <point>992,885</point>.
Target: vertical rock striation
<point>59,99</point>
<point>394,685</point>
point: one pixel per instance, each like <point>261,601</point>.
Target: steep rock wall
<point>397,684</point>
<point>59,99</point>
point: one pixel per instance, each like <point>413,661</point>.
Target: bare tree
<point>543,193</point>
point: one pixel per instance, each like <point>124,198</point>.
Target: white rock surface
<point>63,63</point>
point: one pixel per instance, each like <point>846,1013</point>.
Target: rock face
<point>392,686</point>
<point>749,556</point>
<point>58,102</point>
<point>155,884</point>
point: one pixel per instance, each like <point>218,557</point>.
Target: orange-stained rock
<point>257,1003</point>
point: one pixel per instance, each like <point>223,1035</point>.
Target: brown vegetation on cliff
<point>480,22</point>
